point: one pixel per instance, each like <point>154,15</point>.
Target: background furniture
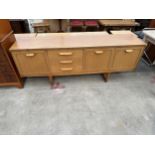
<point>149,53</point>
<point>91,25</point>
<point>143,23</point>
<point>8,73</point>
<point>49,25</point>
<point>114,24</point>
<point>60,25</point>
<point>76,25</point>
<point>82,25</point>
<point>59,54</point>
<point>43,27</point>
<point>55,25</point>
<point>65,25</point>
<point>19,25</point>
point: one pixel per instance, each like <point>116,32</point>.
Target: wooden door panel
<point>126,58</point>
<point>31,63</point>
<point>97,60</point>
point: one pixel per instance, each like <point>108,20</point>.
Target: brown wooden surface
<point>118,22</point>
<point>152,23</point>
<point>5,28</point>
<point>8,73</point>
<point>76,40</point>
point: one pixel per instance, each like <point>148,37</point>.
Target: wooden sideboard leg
<point>51,79</point>
<point>106,76</point>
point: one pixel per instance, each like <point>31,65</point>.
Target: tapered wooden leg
<point>51,79</point>
<point>106,76</point>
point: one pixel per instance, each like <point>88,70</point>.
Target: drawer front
<point>65,54</point>
<point>31,63</point>
<point>126,58</point>
<point>65,61</point>
<point>97,59</point>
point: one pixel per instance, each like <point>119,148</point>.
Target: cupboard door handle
<point>66,62</point>
<point>128,51</point>
<point>66,69</point>
<point>65,53</point>
<point>98,52</point>
<point>30,54</point>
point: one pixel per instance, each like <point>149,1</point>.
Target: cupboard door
<point>126,58</point>
<point>97,60</point>
<point>31,63</point>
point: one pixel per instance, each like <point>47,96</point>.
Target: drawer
<point>66,70</point>
<point>97,59</point>
<point>126,58</point>
<point>65,61</point>
<point>66,66</point>
<point>65,54</point>
<point>31,63</point>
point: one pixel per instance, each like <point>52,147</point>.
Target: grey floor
<point>87,105</point>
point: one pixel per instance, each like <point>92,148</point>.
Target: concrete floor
<point>87,105</point>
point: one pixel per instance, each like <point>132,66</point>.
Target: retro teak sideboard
<point>60,54</point>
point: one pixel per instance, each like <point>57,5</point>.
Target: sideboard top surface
<point>74,40</point>
<point>22,36</point>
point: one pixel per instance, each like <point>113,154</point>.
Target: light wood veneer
<point>76,53</point>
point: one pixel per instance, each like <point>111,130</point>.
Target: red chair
<point>76,25</point>
<point>91,25</point>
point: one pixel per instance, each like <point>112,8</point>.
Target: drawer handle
<point>128,51</point>
<point>30,54</point>
<point>65,53</point>
<point>99,52</point>
<point>66,62</point>
<point>66,69</point>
